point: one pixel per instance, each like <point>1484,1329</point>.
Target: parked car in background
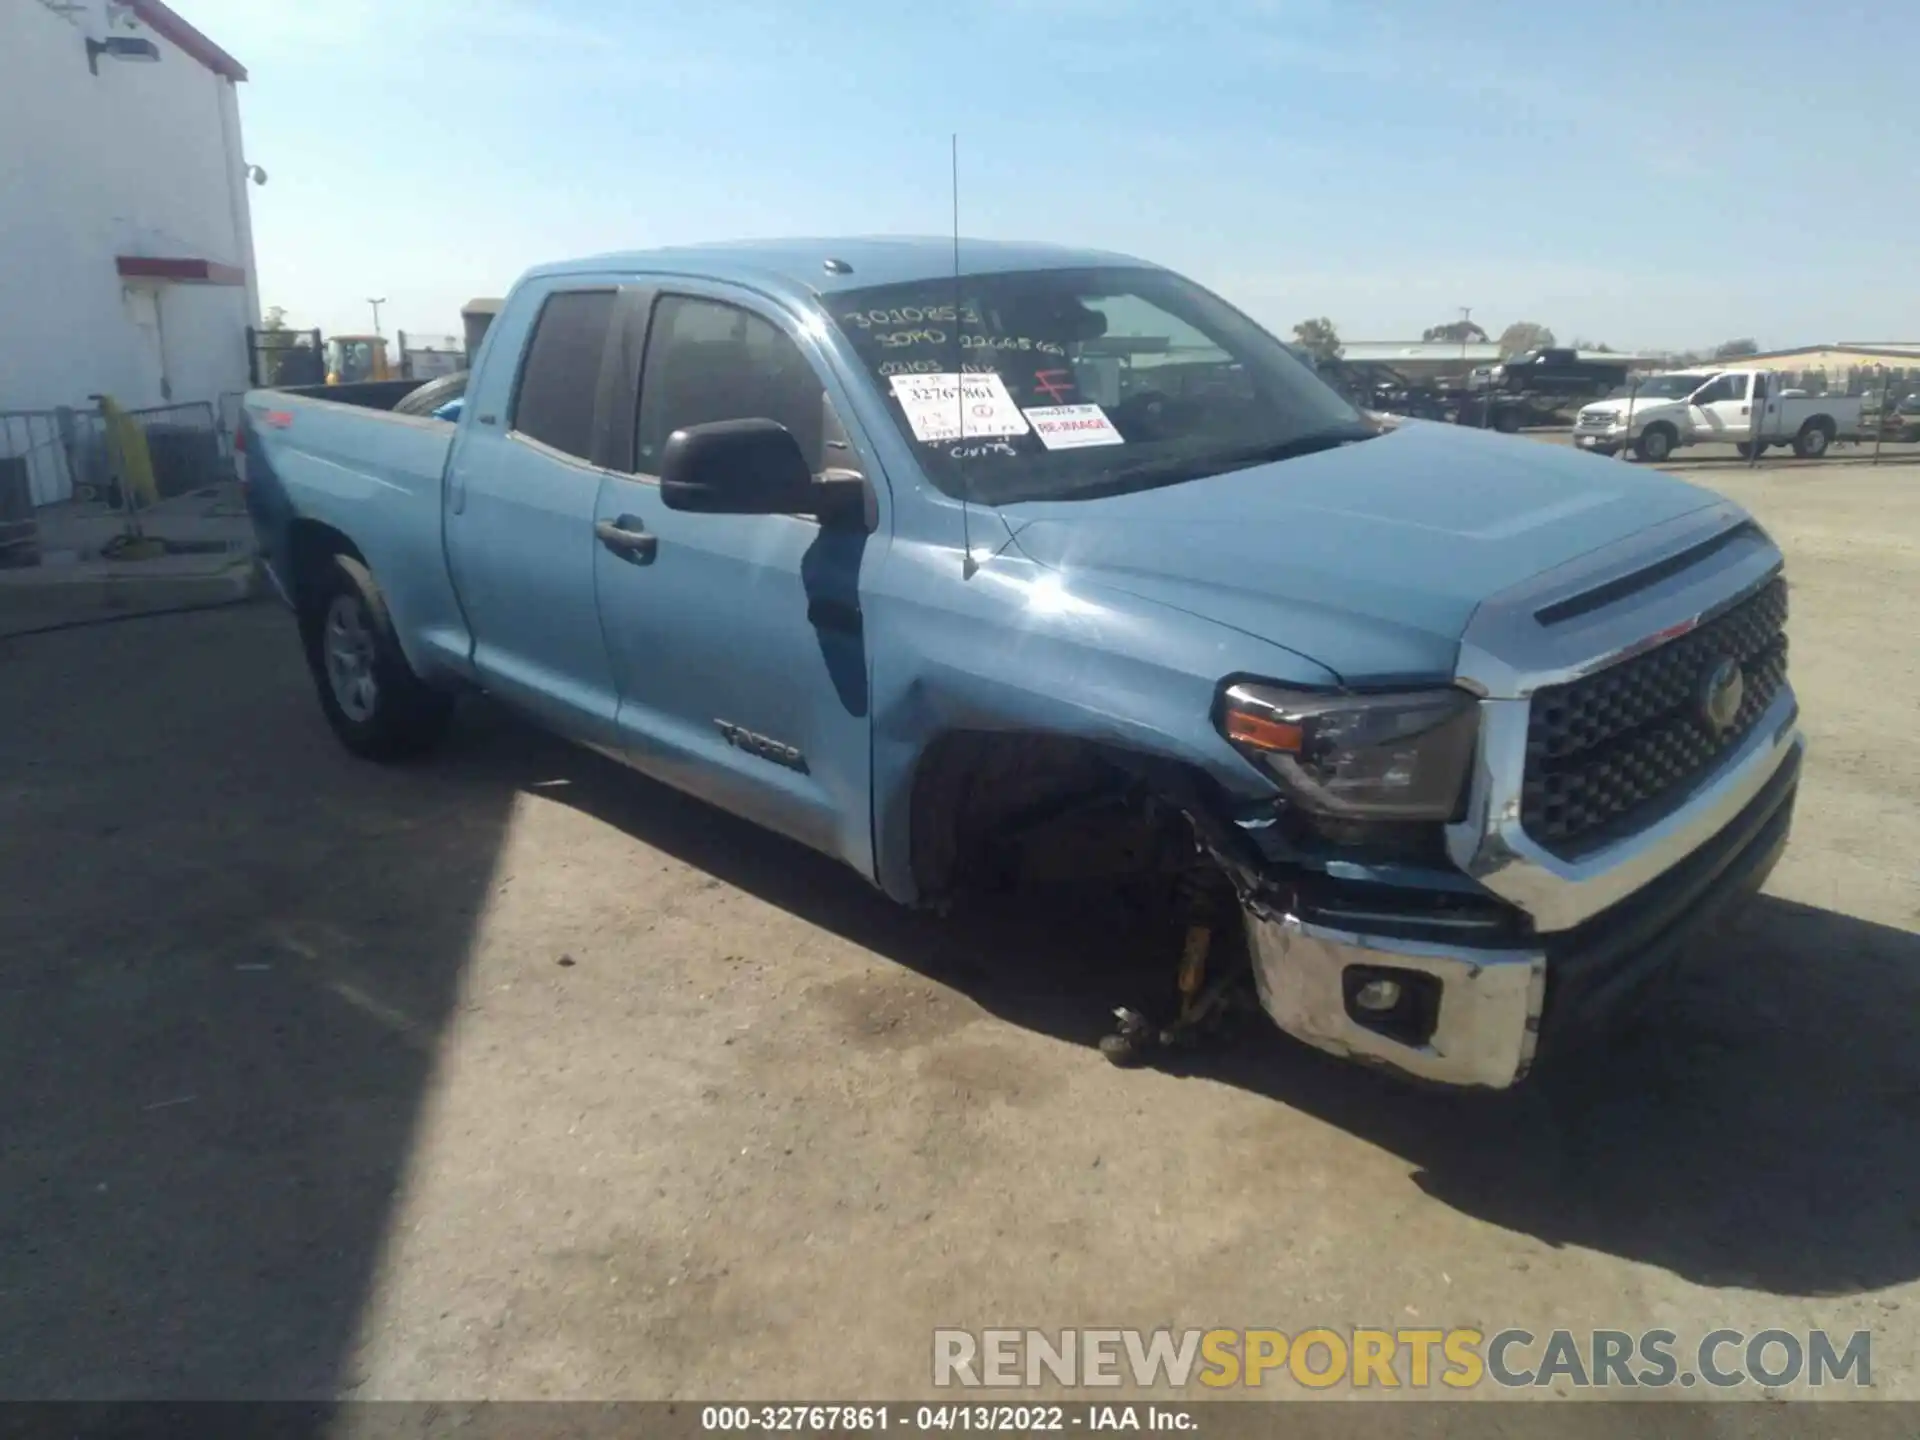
<point>1743,408</point>
<point>1449,746</point>
<point>1557,372</point>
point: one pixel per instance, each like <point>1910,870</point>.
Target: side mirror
<point>736,467</point>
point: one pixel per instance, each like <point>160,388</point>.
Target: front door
<point>737,640</point>
<point>154,385</point>
<point>1721,410</point>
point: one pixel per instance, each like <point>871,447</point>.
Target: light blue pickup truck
<point>972,564</point>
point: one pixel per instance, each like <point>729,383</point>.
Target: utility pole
<point>376,304</point>
<point>1466,318</point>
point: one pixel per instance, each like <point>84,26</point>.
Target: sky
<point>1641,174</point>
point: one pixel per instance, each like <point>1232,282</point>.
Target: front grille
<point>1612,752</point>
<point>1594,420</point>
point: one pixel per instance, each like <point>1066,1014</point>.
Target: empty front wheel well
<point>993,809</point>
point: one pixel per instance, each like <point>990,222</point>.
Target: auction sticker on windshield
<point>937,410</point>
<point>1069,427</point>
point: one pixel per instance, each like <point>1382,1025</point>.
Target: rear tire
<point>1748,451</point>
<point>1814,438</point>
<point>1507,422</point>
<point>377,706</point>
<point>1655,444</point>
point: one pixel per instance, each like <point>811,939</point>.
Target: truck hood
<point>1368,559</point>
<point>1642,404</point>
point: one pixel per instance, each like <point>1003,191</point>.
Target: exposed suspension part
<point>1204,901</point>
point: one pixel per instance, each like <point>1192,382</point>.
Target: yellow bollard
<point>128,445</point>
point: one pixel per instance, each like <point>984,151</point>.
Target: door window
<point>1712,394</point>
<point>560,381</point>
<point>708,361</point>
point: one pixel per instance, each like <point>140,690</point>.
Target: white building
<point>126,247</point>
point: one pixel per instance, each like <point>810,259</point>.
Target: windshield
<point>1083,382</point>
<point>1664,387</point>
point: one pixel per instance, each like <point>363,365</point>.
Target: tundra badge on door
<point>742,738</point>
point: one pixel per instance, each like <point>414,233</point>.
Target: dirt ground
<point>514,1075</point>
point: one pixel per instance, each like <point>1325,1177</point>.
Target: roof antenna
<point>967,565</point>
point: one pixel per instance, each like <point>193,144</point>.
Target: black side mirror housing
<point>755,467</point>
<point>736,467</point>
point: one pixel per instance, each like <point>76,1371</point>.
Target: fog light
<point>1377,995</point>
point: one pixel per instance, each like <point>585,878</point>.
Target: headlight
<point>1402,756</point>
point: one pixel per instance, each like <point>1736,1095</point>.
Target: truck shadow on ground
<point>1761,1129</point>
<point>229,954</point>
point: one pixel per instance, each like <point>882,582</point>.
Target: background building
<point>1856,367</point>
<point>126,251</point>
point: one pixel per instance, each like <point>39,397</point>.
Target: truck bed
<point>369,475</point>
<point>362,394</point>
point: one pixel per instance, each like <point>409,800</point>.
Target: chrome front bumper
<point>1490,1000</point>
<point>1715,847</point>
<point>1493,1005</point>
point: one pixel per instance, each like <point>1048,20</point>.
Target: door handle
<point>627,537</point>
<point>1745,411</point>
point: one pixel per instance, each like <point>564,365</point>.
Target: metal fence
<point>285,357</point>
<point>428,357</point>
<point>226,419</point>
<point>69,470</point>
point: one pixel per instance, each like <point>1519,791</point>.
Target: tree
<point>1599,347</point>
<point>1734,349</point>
<point>1456,332</point>
<point>1318,338</point>
<point>275,318</point>
<point>1523,335</point>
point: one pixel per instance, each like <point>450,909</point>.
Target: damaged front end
<point>1371,948</point>
<point>1459,882</point>
<point>1364,939</point>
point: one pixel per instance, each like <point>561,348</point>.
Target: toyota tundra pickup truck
<point>992,563</point>
<point>1742,408</point>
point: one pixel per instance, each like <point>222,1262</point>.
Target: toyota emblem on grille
<point>1722,688</point>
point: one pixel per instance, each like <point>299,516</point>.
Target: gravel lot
<point>516,1075</point>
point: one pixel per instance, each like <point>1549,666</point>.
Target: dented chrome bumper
<point>1479,1014</point>
<point>1488,1001</point>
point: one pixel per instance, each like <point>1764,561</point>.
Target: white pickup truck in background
<point>1743,408</point>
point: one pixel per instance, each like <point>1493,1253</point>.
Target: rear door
<point>522,486</point>
<point>737,640</point>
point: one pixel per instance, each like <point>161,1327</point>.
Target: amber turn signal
<point>1263,732</point>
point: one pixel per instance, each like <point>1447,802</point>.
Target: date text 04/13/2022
<point>937,1418</point>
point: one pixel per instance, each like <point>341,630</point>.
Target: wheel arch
<point>974,794</point>
<point>311,544</point>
